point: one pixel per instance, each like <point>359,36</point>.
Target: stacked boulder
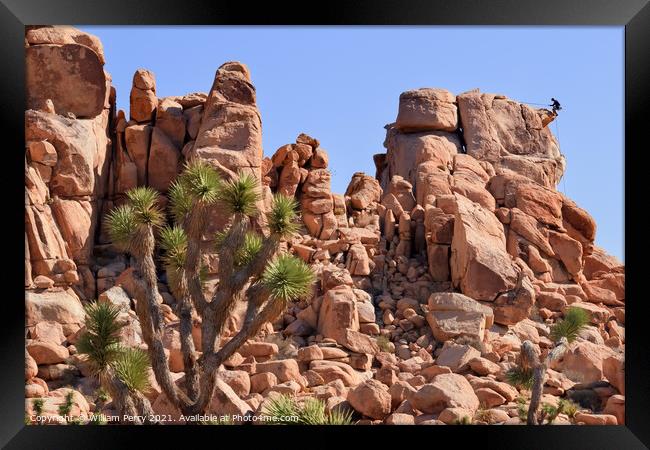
<point>68,154</point>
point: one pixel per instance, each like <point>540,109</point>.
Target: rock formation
<point>432,273</point>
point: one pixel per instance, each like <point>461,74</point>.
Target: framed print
<point>372,215</point>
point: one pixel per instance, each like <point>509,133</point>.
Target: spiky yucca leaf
<point>132,367</point>
<point>101,339</point>
<point>122,224</point>
<point>252,245</point>
<point>519,377</point>
<point>280,407</point>
<point>312,412</point>
<point>282,217</point>
<point>201,181</point>
<point>339,417</point>
<point>575,319</point>
<point>288,278</point>
<point>240,195</point>
<point>567,407</point>
<point>180,200</point>
<point>173,241</point>
<point>144,201</point>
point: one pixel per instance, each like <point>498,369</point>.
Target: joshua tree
<point>531,371</point>
<point>122,371</point>
<point>249,269</point>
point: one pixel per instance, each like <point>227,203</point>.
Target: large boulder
<point>453,314</point>
<point>480,264</point>
<point>338,313</point>
<point>371,398</point>
<point>143,100</point>
<point>82,148</point>
<point>164,160</point>
<point>61,306</point>
<point>70,75</point>
<point>447,390</point>
<point>510,135</point>
<point>363,191</point>
<point>583,362</point>
<point>46,352</point>
<point>407,151</point>
<point>76,220</point>
<point>230,134</point>
<point>427,109</point>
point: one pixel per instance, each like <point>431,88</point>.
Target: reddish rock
<point>614,371</point>
<point>138,139</point>
<point>583,362</point>
<point>238,381</point>
<point>63,307</point>
<point>616,407</point>
<point>480,265</point>
<point>170,120</point>
<point>595,419</point>
<point>164,161</point>
<point>284,370</point>
<point>363,191</point>
<point>456,357</point>
<point>371,398</point>
<point>47,352</point>
<point>427,109</point>
<point>52,72</point>
<point>48,331</point>
<point>337,314</point>
<point>489,398</point>
<point>143,100</point>
<point>445,391</point>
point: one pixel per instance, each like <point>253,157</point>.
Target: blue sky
<point>341,85</point>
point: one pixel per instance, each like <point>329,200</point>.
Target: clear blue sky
<point>341,85</point>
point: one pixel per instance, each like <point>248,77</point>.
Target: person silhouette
<point>555,105</point>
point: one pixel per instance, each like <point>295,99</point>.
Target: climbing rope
<point>531,103</point>
<point>557,133</point>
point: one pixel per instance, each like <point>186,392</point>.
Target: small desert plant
<point>132,367</point>
<point>522,409</point>
<point>568,407</point>
<point>549,413</point>
<point>384,344</point>
<point>520,377</point>
<point>286,411</point>
<point>465,420</point>
<point>66,406</point>
<point>124,372</point>
<point>37,406</point>
<point>575,319</point>
<point>483,415</point>
<point>563,332</point>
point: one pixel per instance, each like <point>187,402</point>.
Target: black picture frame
<point>634,15</point>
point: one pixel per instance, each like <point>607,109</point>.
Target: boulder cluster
<point>431,273</point>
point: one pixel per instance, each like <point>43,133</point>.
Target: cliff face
<point>458,249</point>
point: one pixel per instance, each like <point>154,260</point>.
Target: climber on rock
<point>555,105</point>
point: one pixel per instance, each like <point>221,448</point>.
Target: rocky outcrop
<point>67,132</point>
